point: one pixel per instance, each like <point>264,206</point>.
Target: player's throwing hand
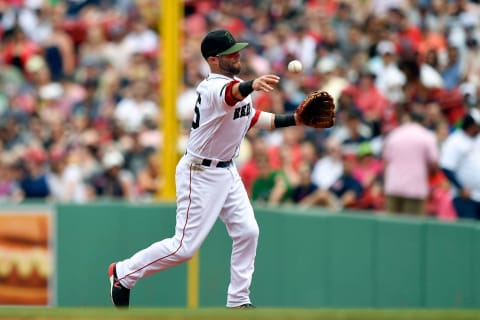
<point>264,83</point>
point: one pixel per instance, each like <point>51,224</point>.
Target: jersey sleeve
<point>219,94</point>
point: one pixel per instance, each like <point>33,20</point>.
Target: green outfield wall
<point>305,259</point>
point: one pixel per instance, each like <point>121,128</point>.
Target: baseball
<point>295,66</point>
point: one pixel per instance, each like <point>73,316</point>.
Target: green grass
<point>222,313</point>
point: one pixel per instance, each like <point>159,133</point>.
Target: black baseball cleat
<point>119,294</point>
<point>244,306</point>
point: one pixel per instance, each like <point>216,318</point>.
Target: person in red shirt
<point>408,35</point>
<point>18,49</point>
<point>250,170</point>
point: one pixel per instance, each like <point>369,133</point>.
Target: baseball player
<point>208,185</point>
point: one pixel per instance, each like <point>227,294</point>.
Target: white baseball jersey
<point>206,191</point>
<point>217,128</point>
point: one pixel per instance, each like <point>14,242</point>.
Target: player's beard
<point>228,66</point>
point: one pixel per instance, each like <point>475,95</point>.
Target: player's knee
<point>185,254</point>
<point>251,232</point>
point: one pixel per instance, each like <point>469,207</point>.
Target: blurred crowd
<point>81,118</point>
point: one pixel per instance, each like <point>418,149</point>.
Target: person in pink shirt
<point>409,152</point>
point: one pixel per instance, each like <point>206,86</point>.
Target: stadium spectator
<point>285,177</point>
<point>141,38</point>
<point>19,15</point>
<point>309,154</point>
<point>89,105</point>
<point>460,159</point>
<point>271,186</point>
<point>409,152</point>
<point>133,110</point>
<point>288,138</point>
<point>305,186</point>
<point>472,64</point>
<point>116,51</point>
<point>439,201</point>
<point>250,170</point>
<point>136,153</point>
<point>65,179</point>
<point>150,180</point>
<point>95,47</point>
<point>10,191</point>
<point>342,22</point>
<point>34,183</point>
<point>369,100</point>
<point>345,192</point>
<point>330,166</point>
<point>368,170</point>
<point>351,131</point>
<point>263,184</point>
<point>113,181</point>
<point>18,49</point>
<point>389,79</point>
<point>407,35</point>
<point>58,47</point>
<point>452,72</point>
<point>330,76</point>
<point>288,167</point>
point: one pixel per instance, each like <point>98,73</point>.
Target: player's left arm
<point>269,121</point>
<point>317,110</point>
<point>236,91</point>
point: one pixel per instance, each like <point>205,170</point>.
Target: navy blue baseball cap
<point>219,43</point>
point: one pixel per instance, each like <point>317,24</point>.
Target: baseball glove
<point>317,110</point>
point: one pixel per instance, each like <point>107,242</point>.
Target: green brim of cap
<point>235,48</point>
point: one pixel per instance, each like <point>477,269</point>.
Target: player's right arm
<point>236,91</point>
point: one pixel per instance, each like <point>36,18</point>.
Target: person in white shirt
<point>389,79</point>
<point>65,178</point>
<point>142,39</point>
<point>132,111</point>
<point>329,167</point>
<point>460,161</point>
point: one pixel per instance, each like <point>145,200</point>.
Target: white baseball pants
<point>203,195</point>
